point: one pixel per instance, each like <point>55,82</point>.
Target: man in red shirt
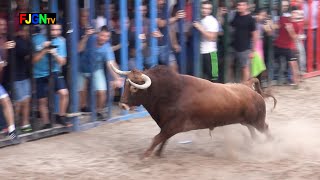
<point>285,45</point>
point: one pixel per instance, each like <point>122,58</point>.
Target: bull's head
<point>134,89</point>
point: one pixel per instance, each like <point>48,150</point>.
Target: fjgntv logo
<point>37,18</point>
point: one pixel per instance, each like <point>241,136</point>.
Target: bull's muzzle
<point>124,106</point>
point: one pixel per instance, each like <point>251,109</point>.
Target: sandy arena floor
<point>112,151</point>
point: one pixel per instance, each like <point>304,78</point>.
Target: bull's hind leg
<point>252,131</point>
<point>264,128</point>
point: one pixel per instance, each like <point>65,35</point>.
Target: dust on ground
<point>113,151</point>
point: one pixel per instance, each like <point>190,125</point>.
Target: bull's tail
<point>257,87</point>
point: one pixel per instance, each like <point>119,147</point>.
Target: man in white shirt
<point>209,28</point>
<point>100,20</point>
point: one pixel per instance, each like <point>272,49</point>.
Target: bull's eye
<point>133,89</point>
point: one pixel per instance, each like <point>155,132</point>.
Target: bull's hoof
<point>158,154</point>
<point>145,155</point>
<point>254,138</point>
<point>270,138</point>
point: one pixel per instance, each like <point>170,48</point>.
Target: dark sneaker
<point>26,128</point>
<point>13,135</point>
<point>101,116</point>
<point>62,120</point>
<point>47,126</point>
<point>85,110</point>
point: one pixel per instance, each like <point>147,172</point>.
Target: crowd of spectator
<point>98,43</point>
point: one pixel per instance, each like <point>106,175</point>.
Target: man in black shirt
<point>244,37</point>
<point>22,83</point>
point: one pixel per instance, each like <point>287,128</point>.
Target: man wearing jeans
<point>209,28</point>
<point>165,54</point>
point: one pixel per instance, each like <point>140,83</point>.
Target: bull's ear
<point>133,89</point>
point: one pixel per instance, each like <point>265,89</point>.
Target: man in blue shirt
<point>57,48</point>
<point>96,51</point>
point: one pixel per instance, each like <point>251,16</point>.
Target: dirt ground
<point>112,151</point>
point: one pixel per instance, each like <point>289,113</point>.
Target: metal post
<point>166,34</point>
<point>73,57</point>
<point>215,7</point>
<point>123,39</point>
<point>226,40</point>
<point>110,92</point>
<point>289,5</point>
<point>124,35</point>
<point>259,4</point>
<point>53,8</point>
<point>138,43</point>
<point>310,39</point>
<point>280,8</point>
<point>138,31</point>
<point>270,50</point>
<point>91,43</point>
<point>196,40</point>
<point>35,5</point>
<point>107,13</point>
<point>153,27</point>
<point>182,54</point>
<point>92,10</point>
<point>51,99</point>
<point>318,41</point>
<point>11,52</point>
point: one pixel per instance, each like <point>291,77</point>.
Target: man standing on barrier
<point>95,58</point>
<point>57,48</point>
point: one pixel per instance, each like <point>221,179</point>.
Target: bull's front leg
<point>161,137</point>
<point>159,151</point>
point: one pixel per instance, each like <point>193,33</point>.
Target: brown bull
<point>180,103</point>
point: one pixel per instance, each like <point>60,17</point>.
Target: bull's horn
<point>147,82</point>
<point>119,71</point>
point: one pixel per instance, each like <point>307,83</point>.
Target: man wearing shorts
<point>209,28</point>
<point>165,54</point>
<point>285,45</point>
<point>22,83</point>
<point>244,38</point>
<point>96,52</point>
<point>8,113</point>
<point>5,101</point>
<point>57,48</point>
